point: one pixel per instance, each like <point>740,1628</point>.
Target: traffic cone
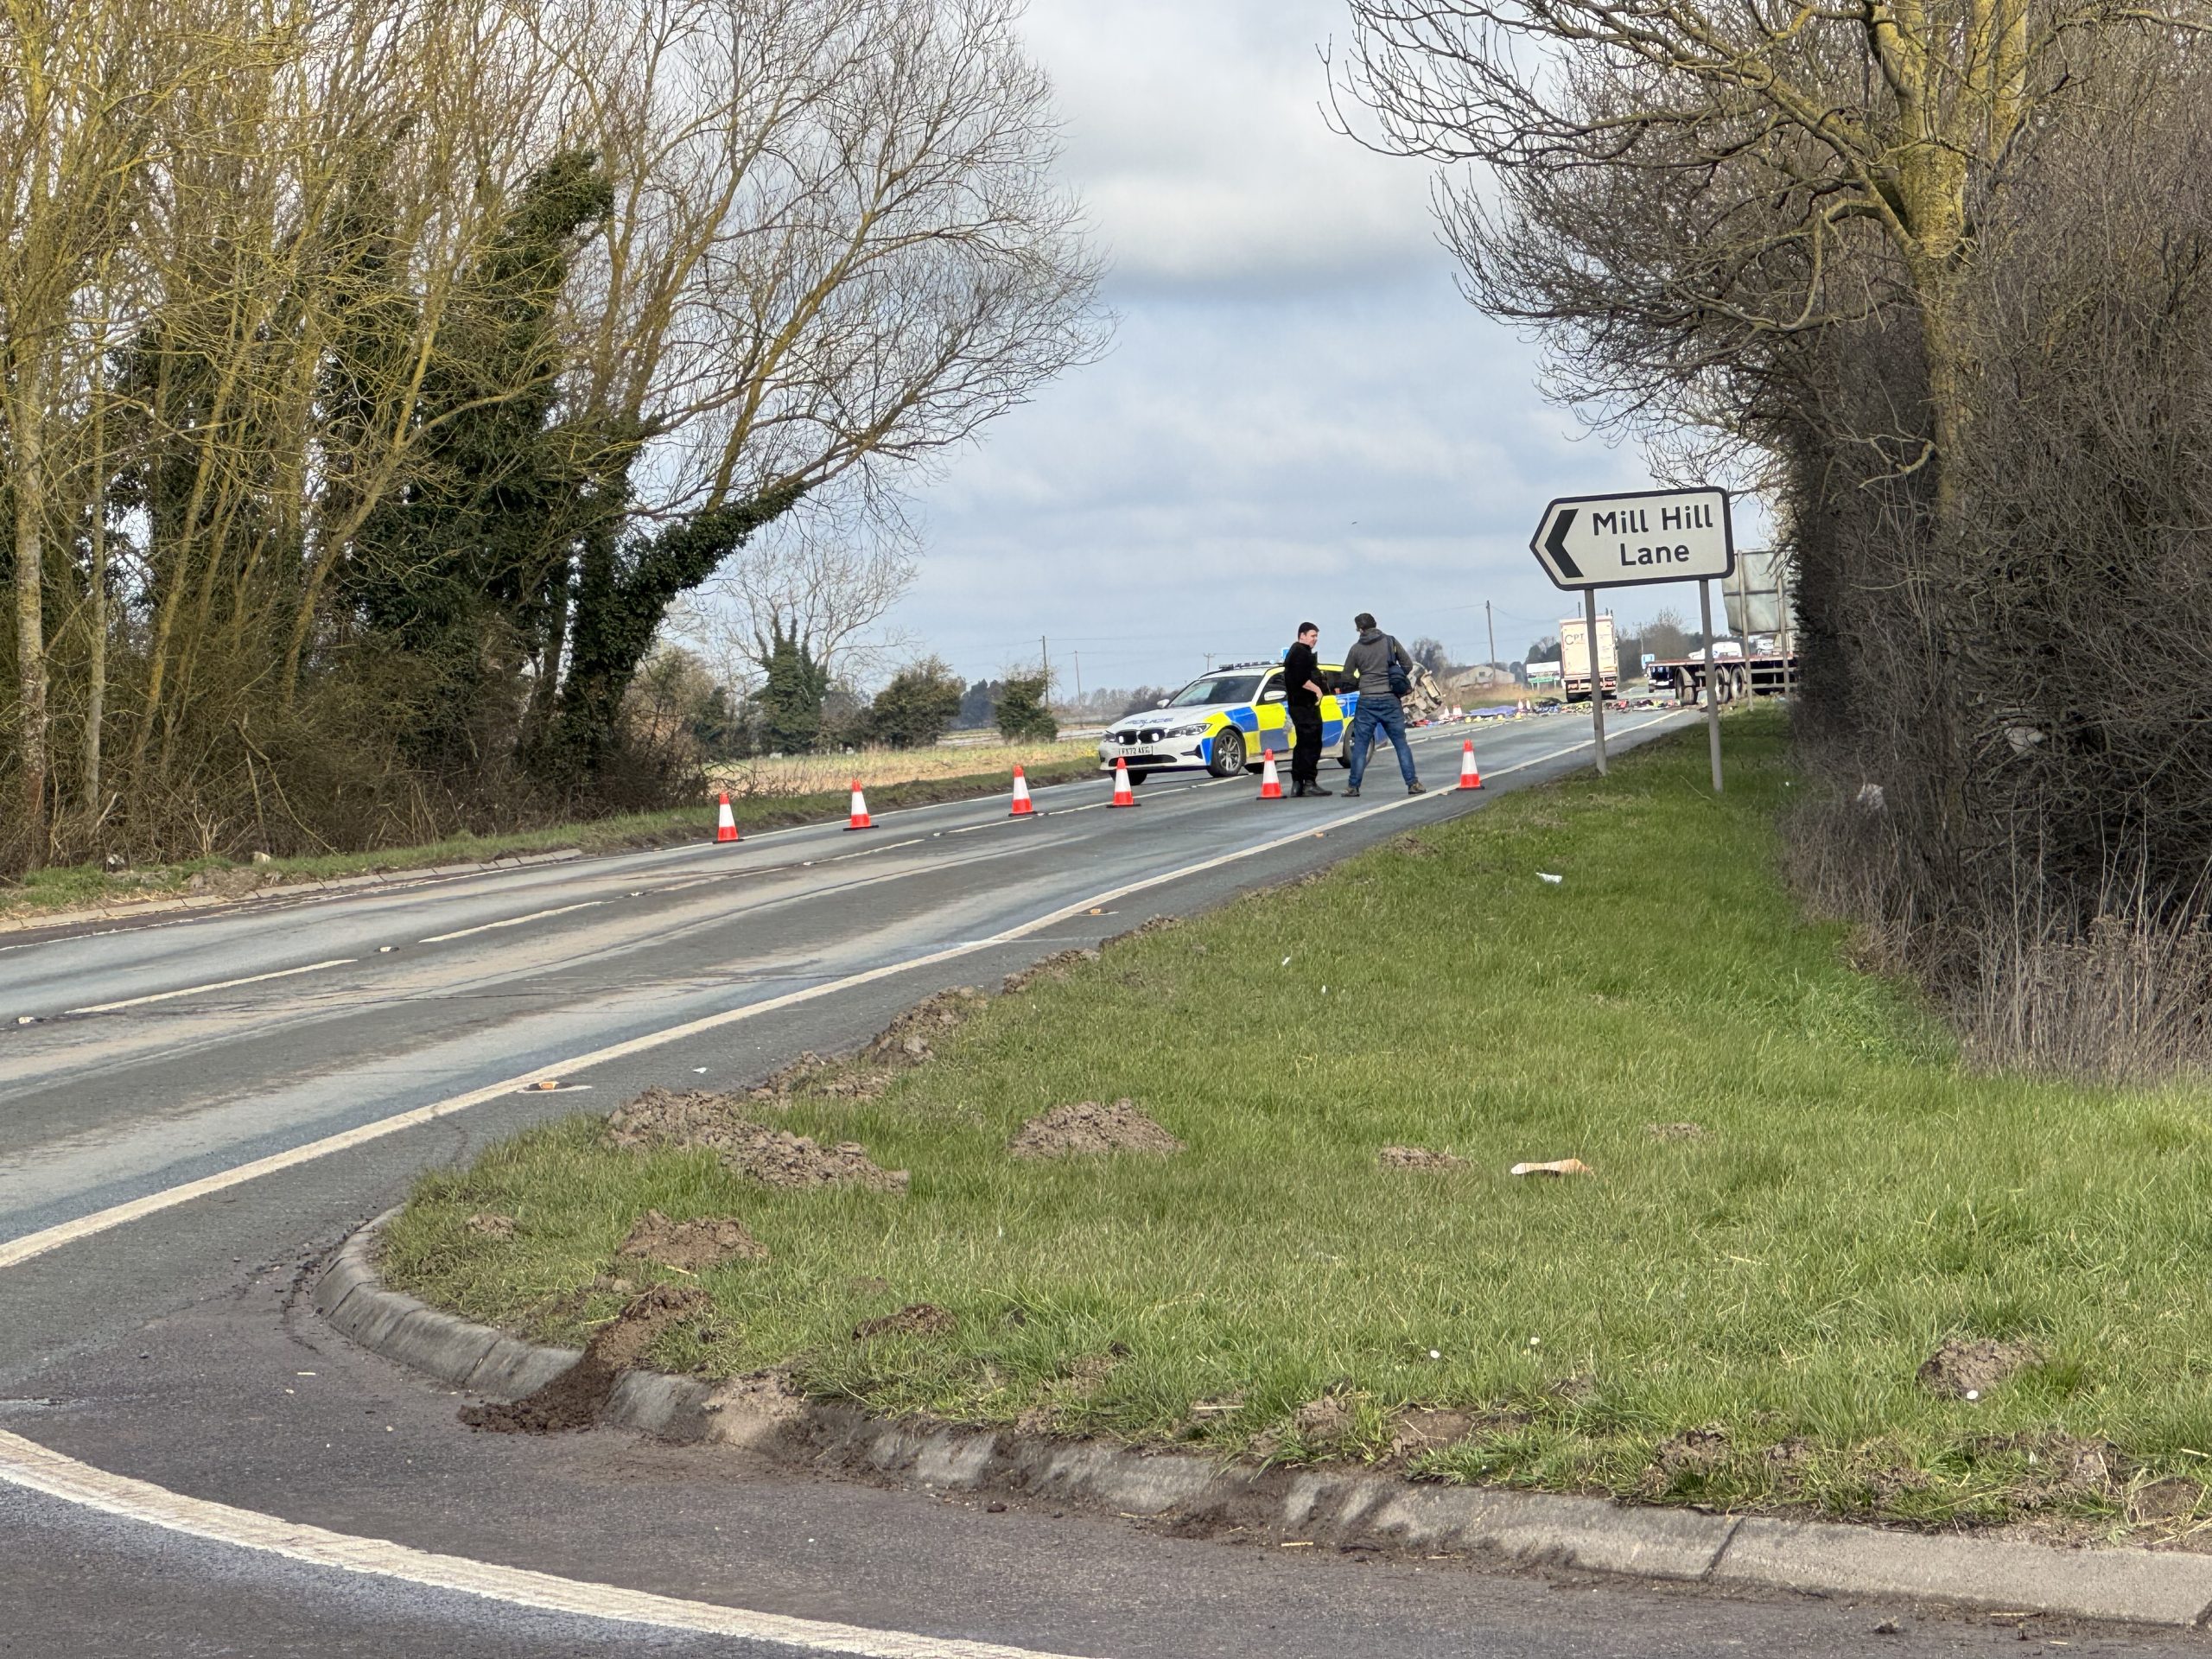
<point>1022,807</point>
<point>725,823</point>
<point>860,819</point>
<point>1123,795</point>
<point>1470,776</point>
<point>1271,785</point>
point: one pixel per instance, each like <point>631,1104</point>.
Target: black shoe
<point>1351,794</point>
<point>1416,789</point>
<point>1316,789</point>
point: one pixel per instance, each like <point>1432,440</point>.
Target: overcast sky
<point>1300,417</point>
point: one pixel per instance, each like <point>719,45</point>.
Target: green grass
<point>1860,1196</point>
<point>77,886</point>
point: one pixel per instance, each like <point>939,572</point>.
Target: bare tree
<point>826,585</point>
<point>1761,147</point>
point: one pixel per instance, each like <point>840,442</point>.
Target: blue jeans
<point>1386,712</point>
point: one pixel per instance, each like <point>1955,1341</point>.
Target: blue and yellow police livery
<point>1220,723</point>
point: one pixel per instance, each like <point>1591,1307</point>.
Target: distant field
<point>1801,1198</point>
<point>815,774</point>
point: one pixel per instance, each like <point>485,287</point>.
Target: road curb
<point>1343,1507</point>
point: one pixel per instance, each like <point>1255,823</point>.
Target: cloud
<point>1300,416</point>
<point>1196,135</point>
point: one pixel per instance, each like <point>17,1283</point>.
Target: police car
<point>1221,721</point>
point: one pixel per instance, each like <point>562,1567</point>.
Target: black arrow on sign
<point>1555,543</point>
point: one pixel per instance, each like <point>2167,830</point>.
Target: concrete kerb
<point>1343,1507</point>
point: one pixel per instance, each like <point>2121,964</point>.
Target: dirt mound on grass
<point>692,1246</point>
<point>487,1225</point>
<point>915,1319</point>
<point>576,1398</point>
<point>1143,930</point>
<point>1677,1131</point>
<point>775,1157</point>
<point>1418,1158</point>
<point>1058,965</point>
<point>1415,847</point>
<point>1419,1429</point>
<point>1963,1366</point>
<point>905,1040</point>
<point>1087,1128</point>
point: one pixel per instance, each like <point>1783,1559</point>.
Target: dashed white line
<point>512,921</point>
<point>218,985</point>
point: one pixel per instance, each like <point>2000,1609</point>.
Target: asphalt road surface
<point>201,1107</point>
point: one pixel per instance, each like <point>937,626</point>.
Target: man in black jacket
<point>1301,679</point>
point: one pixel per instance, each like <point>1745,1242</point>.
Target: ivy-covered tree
<point>791,701</point>
<point>1021,713</point>
<point>917,708</point>
<point>465,567</point>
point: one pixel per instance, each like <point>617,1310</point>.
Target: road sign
<point>1645,535</point>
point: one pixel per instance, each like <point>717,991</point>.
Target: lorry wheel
<point>1228,755</point>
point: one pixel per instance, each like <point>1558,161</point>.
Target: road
<point>201,1107</point>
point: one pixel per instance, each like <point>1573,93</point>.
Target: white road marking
<point>512,921</point>
<point>219,985</point>
<point>26,1464</point>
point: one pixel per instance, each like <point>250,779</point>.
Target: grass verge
<point>1734,1313</point>
<point>762,798</point>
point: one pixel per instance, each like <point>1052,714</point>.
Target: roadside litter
<point>1557,1166</point>
<point>1546,875</point>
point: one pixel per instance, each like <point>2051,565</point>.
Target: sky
<point>1300,417</point>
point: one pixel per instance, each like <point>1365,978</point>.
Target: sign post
<point>1588,541</point>
<point>1597,674</point>
<point>1712,680</point>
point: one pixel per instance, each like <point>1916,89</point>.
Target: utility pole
<point>1078,677</point>
<point>1492,629</point>
<point>1044,659</point>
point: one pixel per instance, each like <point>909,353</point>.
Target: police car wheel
<point>1137,776</point>
<point>1228,755</point>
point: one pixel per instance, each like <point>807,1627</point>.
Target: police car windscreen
<point>1217,688</point>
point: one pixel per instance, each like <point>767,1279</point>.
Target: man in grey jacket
<point>1367,670</point>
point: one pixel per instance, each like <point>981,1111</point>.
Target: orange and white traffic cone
<point>860,818</point>
<point>724,821</point>
<point>1022,806</point>
<point>1123,795</point>
<point>1270,784</point>
<point>1470,777</point>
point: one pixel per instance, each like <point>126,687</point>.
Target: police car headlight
<point>1198,730</point>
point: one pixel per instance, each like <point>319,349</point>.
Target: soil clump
<point>1087,1128</point>
<point>660,1117</point>
<point>692,1246</point>
<point>1962,1366</point>
<point>491,1226</point>
<point>1058,965</point>
<point>576,1398</point>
